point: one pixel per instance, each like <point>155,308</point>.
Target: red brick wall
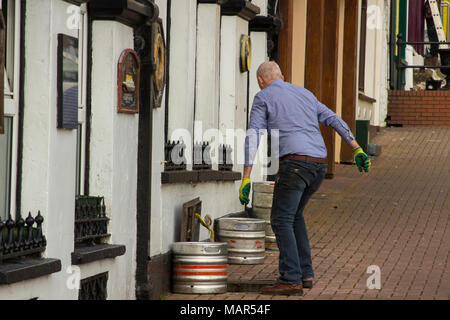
<point>424,108</point>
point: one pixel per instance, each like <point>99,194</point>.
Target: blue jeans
<point>295,183</point>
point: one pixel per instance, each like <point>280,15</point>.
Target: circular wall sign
<point>246,53</point>
<point>158,62</point>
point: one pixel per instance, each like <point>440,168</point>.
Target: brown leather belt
<point>304,158</point>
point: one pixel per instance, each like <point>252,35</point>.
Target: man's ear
<point>282,77</point>
<point>260,82</point>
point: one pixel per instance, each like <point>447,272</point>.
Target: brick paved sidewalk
<point>396,217</point>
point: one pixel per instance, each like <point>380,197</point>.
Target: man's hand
<point>244,191</point>
<point>362,160</point>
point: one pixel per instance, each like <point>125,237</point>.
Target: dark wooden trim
<point>265,24</point>
<point>76,2</point>
<point>170,177</point>
<point>285,38</point>
<point>392,46</point>
<point>321,65</point>
<point>159,275</point>
<point>219,2</point>
<point>97,252</point>
<point>209,175</point>
<point>130,12</point>
<point>362,46</point>
<point>23,6</point>
<point>330,73</point>
<point>363,97</point>
<point>166,103</point>
<point>314,47</point>
<point>241,8</point>
<point>231,176</point>
<point>349,73</point>
<point>144,163</point>
<point>199,176</point>
<point>25,269</point>
<point>87,149</point>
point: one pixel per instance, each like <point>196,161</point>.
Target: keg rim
<point>199,243</point>
<point>243,219</point>
<point>208,248</point>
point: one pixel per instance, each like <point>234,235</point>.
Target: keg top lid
<point>242,219</point>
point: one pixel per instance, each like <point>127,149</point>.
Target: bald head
<point>268,72</point>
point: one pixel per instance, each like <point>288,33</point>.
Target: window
<point>10,9</point>
<point>82,80</point>
<point>9,13</point>
<point>79,152</point>
<point>5,169</point>
<point>362,46</point>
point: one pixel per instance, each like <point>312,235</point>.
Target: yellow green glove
<point>362,160</point>
<point>244,191</point>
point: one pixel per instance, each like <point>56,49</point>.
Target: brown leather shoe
<point>284,289</point>
<point>308,283</point>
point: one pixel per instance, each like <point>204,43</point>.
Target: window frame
<point>82,99</point>
<point>10,99</point>
<point>7,183</point>
<point>362,47</point>
<point>2,71</point>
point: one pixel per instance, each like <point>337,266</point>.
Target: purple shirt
<point>296,113</point>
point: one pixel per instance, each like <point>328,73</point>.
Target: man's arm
<point>247,171</point>
<point>258,122</point>
<point>331,119</point>
<point>354,144</point>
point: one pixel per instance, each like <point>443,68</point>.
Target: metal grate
<point>94,288</point>
<point>225,158</point>
<point>202,156</point>
<point>91,223</point>
<point>175,159</point>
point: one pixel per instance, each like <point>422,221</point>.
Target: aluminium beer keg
<point>199,267</point>
<point>262,205</point>
<point>245,238</point>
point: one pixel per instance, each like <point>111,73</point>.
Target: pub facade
<point>119,117</point>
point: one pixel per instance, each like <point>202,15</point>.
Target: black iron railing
<point>225,158</point>
<point>175,159</point>
<point>202,156</point>
<point>91,222</point>
<point>174,156</point>
<point>22,237</point>
<point>401,64</point>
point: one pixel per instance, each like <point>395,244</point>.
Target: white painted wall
<point>182,66</point>
<point>49,155</point>
<point>409,57</point>
<point>262,4</point>
<point>114,139</point>
<point>207,66</point>
<point>259,55</point>
<point>376,64</point>
<point>384,77</point>
<point>218,198</point>
<point>233,86</point>
<point>158,142</point>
